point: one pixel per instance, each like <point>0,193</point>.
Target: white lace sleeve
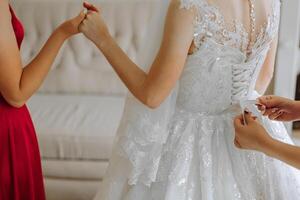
<point>272,27</point>
<point>275,21</point>
<point>201,21</point>
<point>188,4</point>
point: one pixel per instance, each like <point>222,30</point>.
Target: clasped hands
<point>90,23</point>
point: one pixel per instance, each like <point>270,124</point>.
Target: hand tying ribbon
<point>250,106</point>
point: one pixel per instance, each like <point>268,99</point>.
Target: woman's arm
<point>279,108</point>
<point>253,136</point>
<point>287,153</point>
<point>153,87</point>
<point>18,84</point>
<point>267,71</point>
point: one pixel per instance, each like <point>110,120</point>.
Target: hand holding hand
<point>93,26</point>
<point>279,108</point>
<point>70,27</point>
<point>251,135</point>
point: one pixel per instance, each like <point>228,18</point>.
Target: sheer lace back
<point>210,22</point>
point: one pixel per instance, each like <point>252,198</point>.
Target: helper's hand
<point>250,135</point>
<point>279,108</point>
<point>93,26</point>
<point>70,27</point>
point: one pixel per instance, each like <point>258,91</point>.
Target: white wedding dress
<point>196,158</point>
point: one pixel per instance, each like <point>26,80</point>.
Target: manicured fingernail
<point>246,111</point>
<point>261,107</point>
<point>258,103</point>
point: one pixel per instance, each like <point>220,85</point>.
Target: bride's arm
<point>267,71</point>
<point>153,87</point>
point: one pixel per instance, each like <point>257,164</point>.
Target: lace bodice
<point>222,71</point>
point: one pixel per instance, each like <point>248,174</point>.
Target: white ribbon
<point>250,106</point>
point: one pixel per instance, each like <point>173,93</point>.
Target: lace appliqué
<point>141,136</point>
<point>143,150</point>
<point>210,23</point>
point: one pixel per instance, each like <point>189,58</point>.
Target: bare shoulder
<point>4,3</point>
<point>178,14</point>
<point>8,44</point>
<point>6,28</point>
<point>4,11</point>
<point>180,5</point>
<point>176,3</point>
<point>179,29</point>
<point>5,15</point>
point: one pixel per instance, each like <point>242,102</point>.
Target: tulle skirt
<point>200,162</point>
<point>20,165</point>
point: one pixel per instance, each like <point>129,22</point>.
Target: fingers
<point>281,118</point>
<point>80,27</point>
<point>249,118</point>
<point>270,106</point>
<point>262,108</point>
<point>79,19</point>
<point>265,100</point>
<point>238,122</point>
<point>269,101</point>
<point>275,115</point>
<point>90,7</point>
<point>84,21</point>
<point>270,111</point>
<point>81,16</point>
<point>237,144</point>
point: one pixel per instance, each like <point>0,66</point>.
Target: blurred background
<point>78,108</point>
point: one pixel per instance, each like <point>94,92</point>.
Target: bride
<point>202,61</point>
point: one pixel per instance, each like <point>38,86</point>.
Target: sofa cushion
<point>70,189</point>
<point>76,127</point>
<point>74,169</point>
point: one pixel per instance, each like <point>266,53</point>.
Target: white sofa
<point>78,108</point>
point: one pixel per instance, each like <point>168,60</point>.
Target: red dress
<point>20,165</point>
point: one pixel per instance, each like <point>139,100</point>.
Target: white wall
<point>288,51</point>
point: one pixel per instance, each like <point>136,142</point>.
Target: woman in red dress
<point>20,166</point>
